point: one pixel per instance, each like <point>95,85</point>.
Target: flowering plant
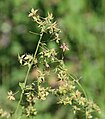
<point>46,61</point>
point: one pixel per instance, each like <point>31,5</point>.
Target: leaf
<point>22,85</point>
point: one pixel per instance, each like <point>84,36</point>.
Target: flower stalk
<point>27,74</point>
<point>47,62</point>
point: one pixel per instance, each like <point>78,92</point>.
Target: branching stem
<point>79,85</point>
<point>27,74</point>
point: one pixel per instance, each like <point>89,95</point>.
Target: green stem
<point>23,89</point>
<point>28,71</point>
<point>37,47</point>
<point>34,33</point>
<point>79,85</point>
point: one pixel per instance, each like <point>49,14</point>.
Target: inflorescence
<point>66,91</point>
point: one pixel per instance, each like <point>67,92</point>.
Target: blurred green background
<point>83,28</point>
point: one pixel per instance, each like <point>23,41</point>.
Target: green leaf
<point>22,85</point>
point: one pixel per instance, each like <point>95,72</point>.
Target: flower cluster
<point>26,59</point>
<point>29,100</point>
<point>50,53</point>
<point>32,93</point>
<point>46,59</point>
<point>4,114</point>
<point>61,72</point>
<point>46,24</point>
<point>43,92</point>
<point>68,94</point>
<point>48,56</point>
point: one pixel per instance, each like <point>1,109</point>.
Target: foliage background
<point>83,28</point>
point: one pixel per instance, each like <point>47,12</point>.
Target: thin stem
<point>16,93</point>
<point>34,33</point>
<point>36,53</point>
<point>37,47</point>
<point>79,85</point>
<point>29,68</point>
<point>23,89</point>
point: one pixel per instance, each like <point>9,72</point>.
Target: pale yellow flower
<point>88,115</point>
<point>82,101</point>
<point>78,94</point>
<point>32,13</point>
<point>50,16</point>
<point>10,96</point>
